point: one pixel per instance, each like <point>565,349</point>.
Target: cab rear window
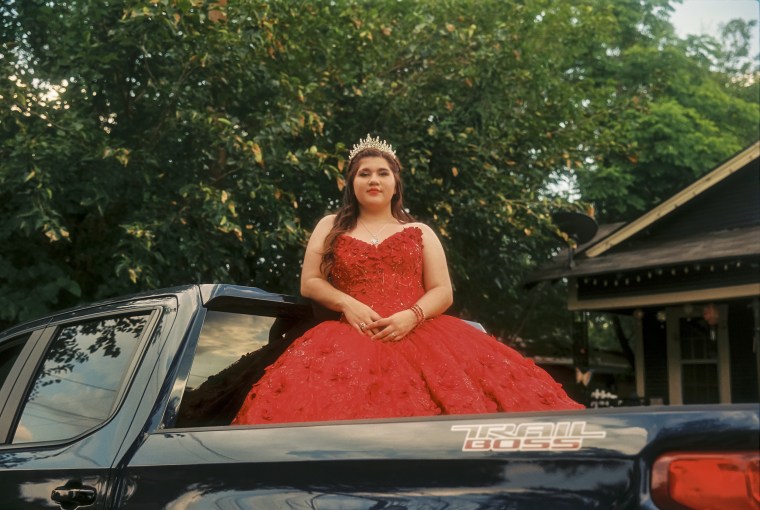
<point>232,353</point>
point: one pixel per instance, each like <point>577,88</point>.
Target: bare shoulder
<point>320,233</point>
<point>328,220</point>
<point>325,224</point>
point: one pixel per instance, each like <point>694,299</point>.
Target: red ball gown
<point>443,366</point>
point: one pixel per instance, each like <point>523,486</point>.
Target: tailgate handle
<point>73,495</point>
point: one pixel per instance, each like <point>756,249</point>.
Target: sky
<point>704,17</point>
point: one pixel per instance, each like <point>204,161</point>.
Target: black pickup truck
<point>127,404</point>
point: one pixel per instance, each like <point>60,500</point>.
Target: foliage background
<point>150,143</point>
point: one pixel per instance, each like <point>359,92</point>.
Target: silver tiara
<point>371,143</point>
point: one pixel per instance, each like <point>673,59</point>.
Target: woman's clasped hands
<point>387,329</point>
<point>360,316</point>
<point>394,327</point>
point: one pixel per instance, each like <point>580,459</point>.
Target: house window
<point>698,357</point>
<point>699,362</point>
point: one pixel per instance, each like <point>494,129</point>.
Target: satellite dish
<point>580,227</point>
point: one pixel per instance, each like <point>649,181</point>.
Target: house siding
<point>732,203</point>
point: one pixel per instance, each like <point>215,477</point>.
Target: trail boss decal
<point>511,437</point>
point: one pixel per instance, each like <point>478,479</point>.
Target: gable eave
<point>724,170</point>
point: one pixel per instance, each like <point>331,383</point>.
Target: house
<point>688,273</point>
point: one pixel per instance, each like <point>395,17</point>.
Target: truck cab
<point>128,403</point>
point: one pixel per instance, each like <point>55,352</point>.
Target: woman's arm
<point>435,275</point>
<point>438,292</point>
<point>314,284</point>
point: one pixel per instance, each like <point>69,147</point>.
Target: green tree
<point>159,142</point>
<point>148,143</point>
<point>694,103</point>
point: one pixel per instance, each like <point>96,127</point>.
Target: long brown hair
<point>348,214</point>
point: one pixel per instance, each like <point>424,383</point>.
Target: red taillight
<point>707,481</point>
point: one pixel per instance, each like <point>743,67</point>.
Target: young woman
<point>392,353</point>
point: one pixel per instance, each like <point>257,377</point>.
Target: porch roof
<point>710,246</point>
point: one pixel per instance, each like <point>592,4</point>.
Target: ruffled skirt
<point>444,366</point>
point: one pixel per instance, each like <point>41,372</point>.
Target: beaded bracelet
<point>418,312</point>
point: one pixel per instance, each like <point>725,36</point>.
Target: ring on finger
<point>362,325</point>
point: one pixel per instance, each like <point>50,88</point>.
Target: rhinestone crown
<point>371,143</point>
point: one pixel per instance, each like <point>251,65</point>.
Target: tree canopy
<point>149,143</point>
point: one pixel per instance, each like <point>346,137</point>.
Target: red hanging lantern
<point>711,315</point>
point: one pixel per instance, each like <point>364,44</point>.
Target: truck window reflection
<point>233,351</point>
<point>79,380</point>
